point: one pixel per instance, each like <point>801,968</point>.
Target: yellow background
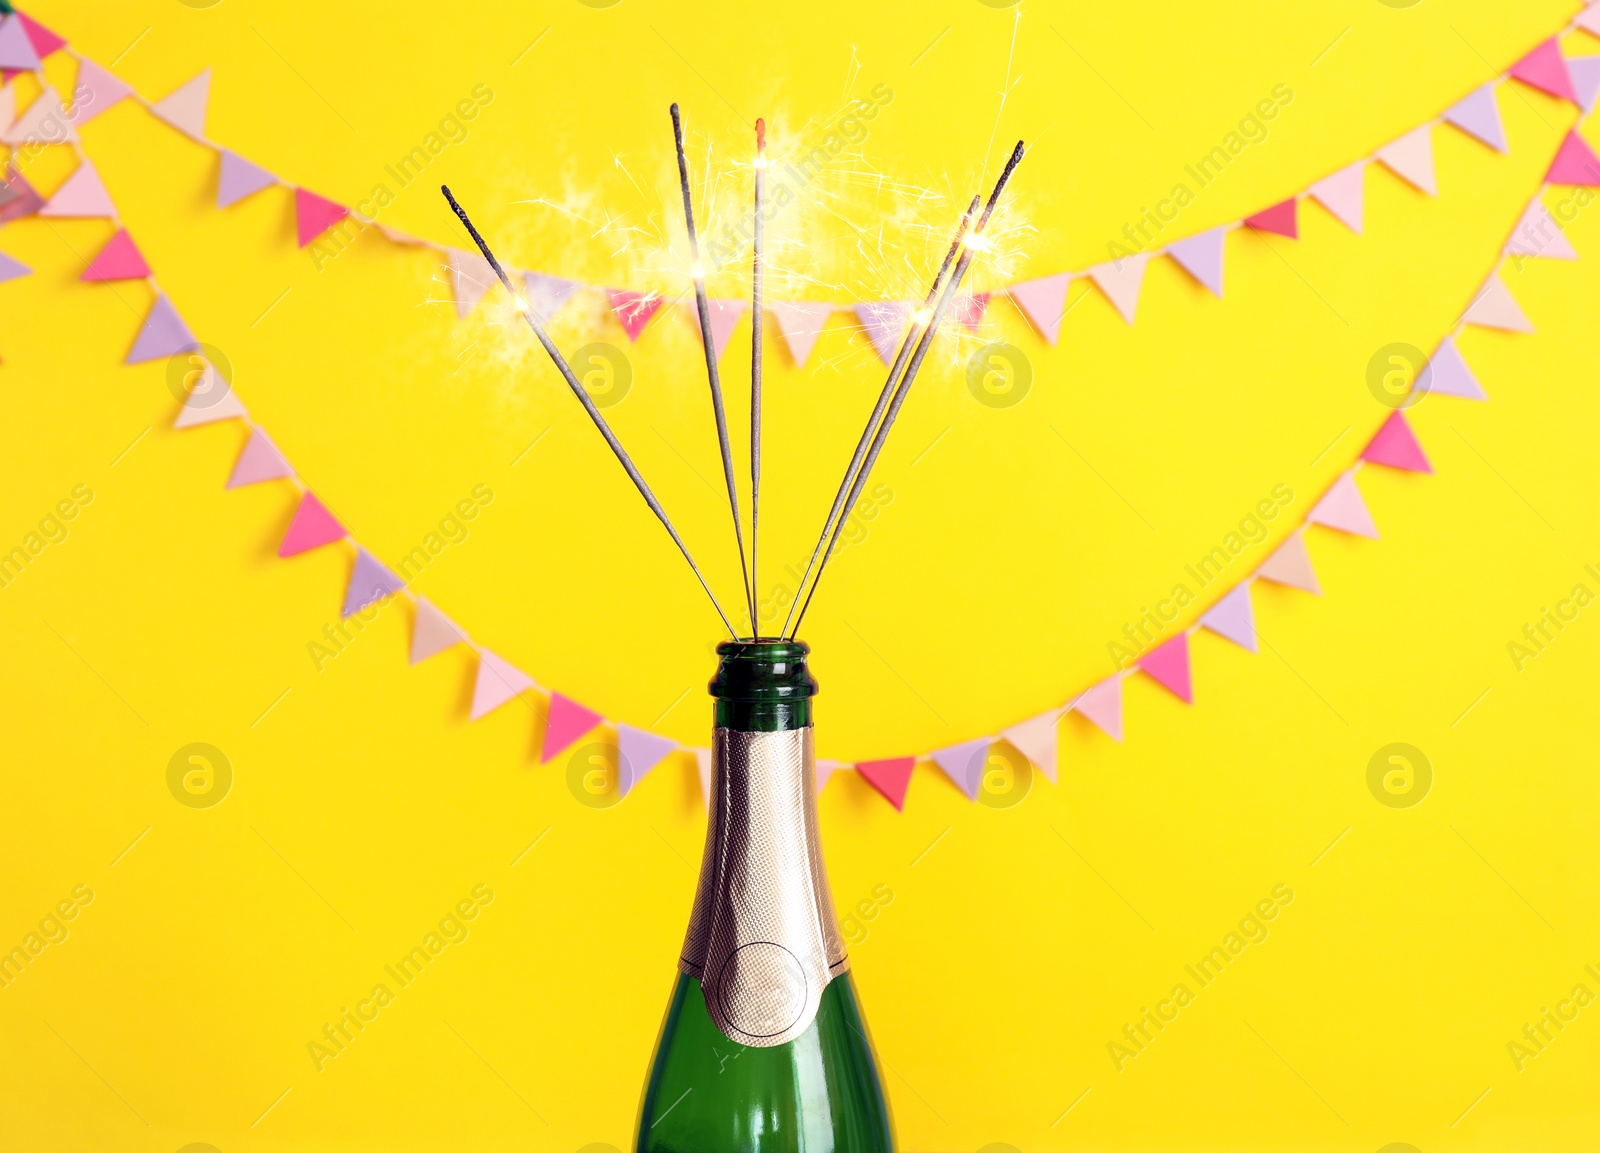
<point>1019,941</point>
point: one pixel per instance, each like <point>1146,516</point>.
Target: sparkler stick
<point>588,404</point>
<point>699,274</point>
<point>755,373</point>
<point>883,402</point>
<point>971,244</point>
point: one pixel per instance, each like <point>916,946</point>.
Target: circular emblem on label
<point>761,989</point>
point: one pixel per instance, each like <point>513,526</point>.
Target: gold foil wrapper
<point>763,938</point>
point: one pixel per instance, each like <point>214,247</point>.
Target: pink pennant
<point>637,753</point>
<point>432,632</point>
<point>470,278</point>
<point>568,720</point>
<point>45,122</point>
<point>260,460</point>
<point>633,309</point>
<point>1102,704</point>
<point>1121,280</point>
<point>118,260</point>
<point>312,527</point>
<point>884,321</point>
<point>1495,307</point>
<point>43,40</point>
<point>1478,115</point>
<point>314,215</point>
<point>546,294</point>
<point>1035,738</point>
<point>1201,257</point>
<point>725,316</point>
<point>370,580</point>
<point>1585,73</point>
<point>163,334</point>
<point>16,49</point>
<point>239,178</point>
<point>1395,445</point>
<point>497,682</point>
<point>1169,664</point>
<point>967,310</point>
<point>1538,234</point>
<point>97,90</point>
<point>1042,301</point>
<point>1343,194</point>
<point>82,194</point>
<point>11,269</point>
<point>1448,375</point>
<point>891,778</point>
<point>801,322</point>
<point>1342,508</point>
<point>1575,163</point>
<point>963,764</point>
<point>1291,565</point>
<point>209,400</point>
<point>1280,220</point>
<point>1411,158</point>
<point>185,108</point>
<point>1589,19</point>
<point>703,765</point>
<point>1234,617</point>
<point>1544,69</point>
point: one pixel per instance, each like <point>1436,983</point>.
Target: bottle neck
<point>762,686</point>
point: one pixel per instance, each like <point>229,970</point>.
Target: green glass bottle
<point>764,1048</point>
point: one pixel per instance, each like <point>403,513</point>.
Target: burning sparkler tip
<point>761,134</point>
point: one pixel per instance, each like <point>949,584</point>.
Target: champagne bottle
<point>764,1048</point>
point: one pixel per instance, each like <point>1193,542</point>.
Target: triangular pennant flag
<point>568,720</point>
<point>118,260</point>
<point>1291,565</point>
<point>1544,69</point>
<point>239,178</point>
<point>1035,738</point>
<point>1589,19</point>
<point>883,321</point>
<point>703,766</point>
<point>497,682</point>
<point>724,316</point>
<point>890,777</point>
<point>1447,374</point>
<point>45,122</point>
<point>1042,302</point>
<point>96,91</point>
<point>1478,115</point>
<point>11,269</point>
<point>967,310</point>
<point>801,322</point>
<point>185,107</point>
<point>314,215</point>
<point>1343,194</point>
<point>82,195</point>
<point>1585,73</point>
<point>370,580</point>
<point>209,400</point>
<point>163,334</point>
<point>1575,163</point>
<point>470,278</point>
<point>637,753</point>
<point>1342,508</point>
<point>1538,234</point>
<point>1102,704</point>
<point>260,460</point>
<point>1234,617</point>
<point>1169,664</point>
<point>825,771</point>
<point>8,102</point>
<point>1280,220</point>
<point>1201,257</point>
<point>1395,445</point>
<point>1411,159</point>
<point>17,52</point>
<point>44,41</point>
<point>1495,307</point>
<point>312,527</point>
<point>963,764</point>
<point>17,196</point>
<point>433,632</point>
<point>1121,280</point>
<point>546,294</point>
<point>633,309</point>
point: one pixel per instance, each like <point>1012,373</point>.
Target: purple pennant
<point>369,581</point>
<point>546,294</point>
<point>17,198</point>
<point>637,753</point>
<point>883,321</point>
<point>1234,618</point>
<point>1201,258</point>
<point>163,334</point>
<point>1479,117</point>
<point>260,460</point>
<point>239,178</point>
<point>16,50</point>
<point>11,269</point>
<point>964,764</point>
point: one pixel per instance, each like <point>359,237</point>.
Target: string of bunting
<point>24,44</point>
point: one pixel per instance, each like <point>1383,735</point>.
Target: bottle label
<point>763,939</point>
